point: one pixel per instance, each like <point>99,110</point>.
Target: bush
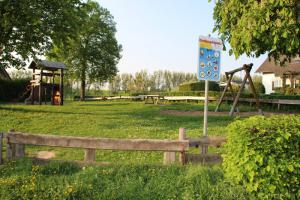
<point>262,154</point>
<point>259,88</point>
<point>12,89</point>
<point>199,86</point>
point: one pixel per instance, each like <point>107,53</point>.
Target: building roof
<point>4,74</point>
<point>270,66</point>
<point>48,65</point>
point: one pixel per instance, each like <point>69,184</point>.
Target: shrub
<point>12,89</point>
<point>199,86</point>
<point>259,87</point>
<point>262,154</point>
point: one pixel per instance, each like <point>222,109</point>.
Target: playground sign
<point>209,58</point>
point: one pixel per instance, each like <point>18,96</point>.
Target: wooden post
<point>40,87</point>
<point>19,150</point>
<point>236,100</point>
<point>182,155</point>
<point>1,144</point>
<point>89,155</point>
<point>253,90</point>
<point>61,87</point>
<point>32,87</point>
<point>228,77</point>
<point>169,157</point>
<point>52,93</point>
<point>10,148</point>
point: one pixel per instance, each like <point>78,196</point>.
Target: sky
<point>163,34</point>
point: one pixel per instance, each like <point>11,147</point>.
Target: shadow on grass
<point>25,110</point>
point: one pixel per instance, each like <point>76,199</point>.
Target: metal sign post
<point>205,108</point>
<point>208,70</point>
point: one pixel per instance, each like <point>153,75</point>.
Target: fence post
<point>89,155</point>
<point>169,157</point>
<point>1,138</point>
<point>182,155</point>
<point>10,148</point>
<point>20,150</point>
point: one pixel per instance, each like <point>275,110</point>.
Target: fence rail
<point>16,141</point>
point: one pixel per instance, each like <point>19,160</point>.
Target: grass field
<point>120,119</point>
<point>132,175</point>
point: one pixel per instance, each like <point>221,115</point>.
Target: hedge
<point>10,90</point>
<point>199,86</point>
<point>263,155</point>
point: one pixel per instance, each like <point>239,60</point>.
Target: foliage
<point>28,28</point>
<point>255,27</point>
<point>11,90</point>
<point>94,53</point>
<point>21,74</point>
<point>262,154</point>
<point>143,82</point>
<point>199,86</point>
<point>25,180</point>
<point>259,87</point>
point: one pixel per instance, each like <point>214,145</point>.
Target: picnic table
<point>153,99</point>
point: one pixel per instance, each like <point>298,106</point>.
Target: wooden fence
<point>16,141</point>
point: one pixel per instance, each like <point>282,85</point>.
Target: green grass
<point>119,119</point>
<point>131,175</point>
<point>25,180</point>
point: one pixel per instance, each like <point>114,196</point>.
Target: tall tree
<point>95,52</point>
<point>255,27</point>
<point>28,28</point>
<point>126,79</point>
<point>115,84</point>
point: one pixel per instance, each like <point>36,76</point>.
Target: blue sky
<point>163,34</point>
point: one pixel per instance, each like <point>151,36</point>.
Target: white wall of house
<point>267,81</point>
<point>270,81</point>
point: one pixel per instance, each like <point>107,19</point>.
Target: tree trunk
<point>83,83</point>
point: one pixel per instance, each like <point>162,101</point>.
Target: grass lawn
<point>132,175</point>
<point>121,119</point>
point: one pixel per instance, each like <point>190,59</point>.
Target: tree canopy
<point>255,27</point>
<point>94,53</point>
<point>28,27</point>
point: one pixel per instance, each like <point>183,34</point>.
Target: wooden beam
<point>204,158</point>
<point>182,137</point>
<point>252,88</point>
<point>169,157</point>
<point>47,74</point>
<point>236,100</point>
<point>52,92</point>
<point>229,78</point>
<point>216,141</point>
<point>40,88</point>
<point>61,87</point>
<point>19,150</point>
<point>89,155</point>
<point>98,143</point>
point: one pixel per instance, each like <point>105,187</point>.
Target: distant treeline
<point>144,82</point>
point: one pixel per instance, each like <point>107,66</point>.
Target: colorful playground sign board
<point>209,58</point>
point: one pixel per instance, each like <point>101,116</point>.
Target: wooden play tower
<point>47,83</point>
